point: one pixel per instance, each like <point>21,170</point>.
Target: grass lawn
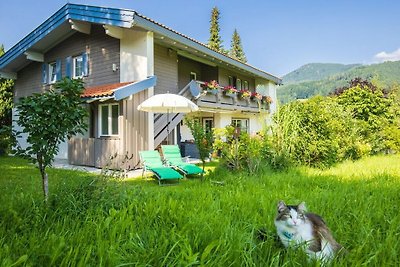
<point>97,222</point>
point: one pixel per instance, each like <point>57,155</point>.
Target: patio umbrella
<point>168,103</point>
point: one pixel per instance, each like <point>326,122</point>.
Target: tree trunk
<point>45,182</point>
<point>45,179</point>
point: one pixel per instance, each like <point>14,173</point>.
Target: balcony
<point>218,97</point>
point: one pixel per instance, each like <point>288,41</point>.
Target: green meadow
<point>99,221</point>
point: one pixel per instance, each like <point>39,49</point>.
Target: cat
<point>298,228</point>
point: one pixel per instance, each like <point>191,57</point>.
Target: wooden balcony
<point>217,99</point>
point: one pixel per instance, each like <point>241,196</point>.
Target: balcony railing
<point>219,98</point>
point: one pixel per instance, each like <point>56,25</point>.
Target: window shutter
<point>58,69</point>
<point>44,73</point>
<point>68,67</point>
<point>85,64</point>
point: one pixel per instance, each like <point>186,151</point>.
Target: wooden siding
<point>135,127</point>
<point>166,70</point>
<point>186,66</point>
<point>29,81</point>
<point>103,51</point>
<point>223,78</point>
<point>81,151</point>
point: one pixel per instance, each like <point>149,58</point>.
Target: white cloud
<point>384,56</point>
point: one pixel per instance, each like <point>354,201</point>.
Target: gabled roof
<point>58,27</point>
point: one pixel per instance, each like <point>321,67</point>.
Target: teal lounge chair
<point>151,161</point>
<point>172,156</point>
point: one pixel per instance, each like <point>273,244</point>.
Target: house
<point>124,58</point>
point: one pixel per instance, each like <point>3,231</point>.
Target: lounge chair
<point>172,156</point>
<point>151,161</point>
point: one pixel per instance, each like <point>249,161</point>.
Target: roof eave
<point>151,26</point>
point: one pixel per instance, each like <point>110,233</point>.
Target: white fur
<point>295,233</point>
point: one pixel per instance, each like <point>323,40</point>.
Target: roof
<point>102,90</point>
<point>118,91</point>
<point>57,27</point>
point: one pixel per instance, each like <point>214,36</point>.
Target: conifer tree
<point>215,41</point>
<point>236,50</point>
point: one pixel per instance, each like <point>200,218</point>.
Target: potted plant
<point>245,94</point>
<point>266,99</point>
<point>211,87</point>
<point>256,96</point>
<point>230,91</point>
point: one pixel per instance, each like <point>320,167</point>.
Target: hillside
<point>309,84</point>
<point>315,72</point>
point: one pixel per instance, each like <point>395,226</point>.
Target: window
<point>193,76</point>
<point>242,124</point>
<point>108,119</point>
<point>208,124</point>
<point>239,84</point>
<point>230,81</point>
<point>77,67</point>
<point>52,72</point>
<point>246,85</point>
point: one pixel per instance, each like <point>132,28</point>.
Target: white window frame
<point>244,121</point>
<point>193,75</point>
<point>230,80</point>
<point>205,120</point>
<point>74,61</point>
<point>239,84</point>
<point>52,72</point>
<point>246,85</point>
<point>109,119</point>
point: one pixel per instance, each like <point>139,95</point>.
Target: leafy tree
<point>236,50</point>
<point>6,102</point>
<point>48,119</point>
<point>202,138</point>
<point>215,41</point>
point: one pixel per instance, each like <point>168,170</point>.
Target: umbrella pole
<point>168,127</point>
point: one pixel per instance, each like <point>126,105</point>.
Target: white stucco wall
<point>137,63</point>
<point>265,87</point>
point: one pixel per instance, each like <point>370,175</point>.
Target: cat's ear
<point>281,206</point>
<point>302,207</point>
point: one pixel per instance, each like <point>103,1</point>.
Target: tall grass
<point>96,222</point>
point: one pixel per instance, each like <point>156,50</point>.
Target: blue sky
<point>277,36</point>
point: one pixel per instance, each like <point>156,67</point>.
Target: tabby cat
<point>296,227</point>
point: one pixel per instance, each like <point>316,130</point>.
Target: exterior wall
<point>137,63</point>
<point>265,87</point>
<point>103,51</point>
<point>204,72</point>
<point>223,78</point>
<point>166,70</point>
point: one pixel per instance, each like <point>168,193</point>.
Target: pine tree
<point>236,50</point>
<point>215,41</point>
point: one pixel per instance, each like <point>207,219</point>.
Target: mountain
<point>315,72</point>
<point>321,79</point>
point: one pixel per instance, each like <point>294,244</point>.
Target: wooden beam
<point>80,26</point>
<point>114,32</point>
<point>8,75</point>
<point>34,56</point>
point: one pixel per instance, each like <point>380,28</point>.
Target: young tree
<point>202,138</point>
<point>236,50</point>
<point>6,102</point>
<point>48,119</point>
<point>215,41</point>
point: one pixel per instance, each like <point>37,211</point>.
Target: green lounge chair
<point>172,156</point>
<point>151,161</point>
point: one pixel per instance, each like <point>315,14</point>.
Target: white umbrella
<point>168,103</point>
